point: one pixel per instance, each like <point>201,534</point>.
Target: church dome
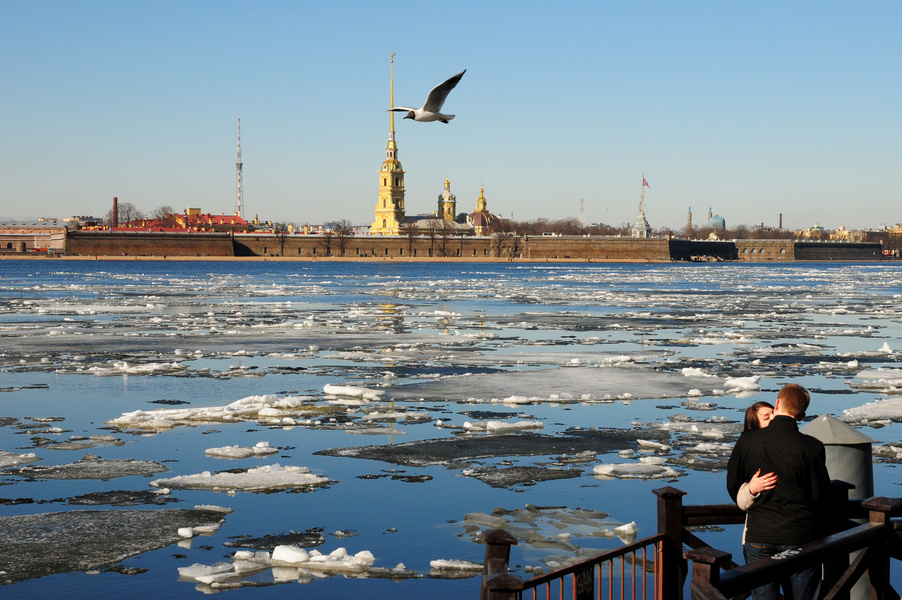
<point>482,218</point>
<point>717,222</point>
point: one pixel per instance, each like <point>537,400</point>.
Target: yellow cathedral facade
<point>390,215</point>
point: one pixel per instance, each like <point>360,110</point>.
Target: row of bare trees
<point>128,212</point>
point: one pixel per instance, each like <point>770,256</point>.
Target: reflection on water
<point>643,364</point>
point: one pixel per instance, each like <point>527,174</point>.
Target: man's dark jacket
<point>793,512</point>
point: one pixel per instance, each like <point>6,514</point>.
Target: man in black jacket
<point>792,513</point>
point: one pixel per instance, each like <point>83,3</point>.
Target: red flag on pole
<point>645,183</point>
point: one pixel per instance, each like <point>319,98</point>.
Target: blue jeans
<point>803,585</point>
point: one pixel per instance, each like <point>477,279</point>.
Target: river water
<point>375,357</point>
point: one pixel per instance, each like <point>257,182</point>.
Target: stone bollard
<point>848,454</point>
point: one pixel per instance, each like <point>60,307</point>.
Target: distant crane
<point>239,201</point>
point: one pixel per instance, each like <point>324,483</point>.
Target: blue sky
<point>754,109</point>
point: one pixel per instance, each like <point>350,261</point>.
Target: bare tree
<point>165,215</point>
<point>327,237</point>
<point>431,233</point>
<point>569,226</point>
<point>280,230</point>
<point>411,231</point>
<point>501,242</point>
<point>444,230</point>
<point>343,234</point>
<point>128,212</point>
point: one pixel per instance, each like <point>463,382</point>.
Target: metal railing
<point>630,572</point>
<point>624,573</point>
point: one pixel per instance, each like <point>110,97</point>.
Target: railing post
<point>879,512</point>
<point>837,520</point>
<point>495,568</point>
<point>670,523</point>
<point>707,563</point>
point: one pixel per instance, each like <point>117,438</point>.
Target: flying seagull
<point>430,110</point>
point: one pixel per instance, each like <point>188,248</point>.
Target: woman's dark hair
<point>751,415</point>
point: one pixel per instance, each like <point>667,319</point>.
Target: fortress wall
<point>105,243</point>
<point>764,250</point>
<point>144,243</point>
<point>702,250</point>
<point>838,251</point>
<point>369,246</point>
<point>596,247</point>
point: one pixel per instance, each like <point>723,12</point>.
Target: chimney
<point>781,220</point>
<point>115,212</point>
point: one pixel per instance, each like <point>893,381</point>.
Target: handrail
<point>878,537</point>
<point>600,558</point>
<point>499,584</point>
<point>743,578</point>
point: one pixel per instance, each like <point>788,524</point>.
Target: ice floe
<point>501,426</point>
<point>742,384</point>
<point>288,562</point>
<point>883,410</point>
<point>267,408</point>
<point>352,392</point>
<point>260,449</point>
<point>634,471</point>
<point>546,529</point>
<point>84,540</point>
<point>455,565</point>
<point>259,479</point>
<point>91,467</point>
<point>11,459</point>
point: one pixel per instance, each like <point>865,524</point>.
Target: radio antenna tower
<point>239,200</point>
<point>582,213</point>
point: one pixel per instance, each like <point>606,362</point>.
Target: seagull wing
<point>397,108</point>
<point>438,94</point>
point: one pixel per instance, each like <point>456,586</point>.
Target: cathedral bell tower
<point>447,203</point>
<point>390,206</point>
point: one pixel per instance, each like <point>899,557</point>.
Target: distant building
<point>192,220</point>
<point>43,235</point>
<point>641,228</point>
<point>716,222</point>
<point>447,203</point>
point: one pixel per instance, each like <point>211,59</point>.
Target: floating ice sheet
<point>289,563</point>
<point>92,467</point>
<point>886,409</point>
<point>634,471</point>
<point>11,459</point>
<point>43,544</point>
<point>260,479</point>
<point>260,449</point>
<point>551,385</point>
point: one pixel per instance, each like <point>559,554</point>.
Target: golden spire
<point>391,100</point>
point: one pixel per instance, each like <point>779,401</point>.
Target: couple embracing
<point>778,475</point>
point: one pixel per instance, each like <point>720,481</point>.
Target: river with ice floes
<point>176,429</point>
